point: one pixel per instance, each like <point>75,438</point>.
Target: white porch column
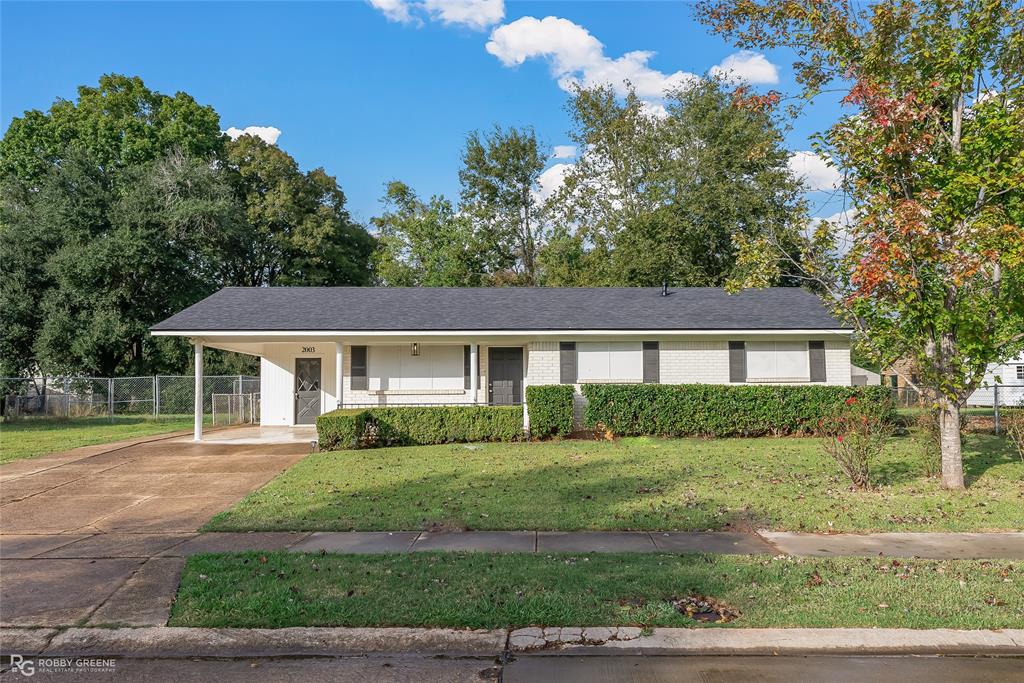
<point>339,360</point>
<point>526,374</point>
<point>474,372</point>
<point>197,434</point>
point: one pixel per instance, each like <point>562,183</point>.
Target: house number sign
<point>308,349</point>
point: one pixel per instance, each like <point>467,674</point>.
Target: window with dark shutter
<point>737,362</point>
<point>567,362</point>
<point>816,356</point>
<point>359,368</point>
<point>466,367</point>
<point>652,363</point>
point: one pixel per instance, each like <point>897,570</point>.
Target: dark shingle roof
<point>536,308</point>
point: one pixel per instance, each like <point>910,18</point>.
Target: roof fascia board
<point>496,333</point>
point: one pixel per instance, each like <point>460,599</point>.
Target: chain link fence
<point>233,409</point>
<point>985,407</point>
<point>157,396</point>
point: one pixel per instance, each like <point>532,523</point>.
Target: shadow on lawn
<point>581,496</point>
<point>981,452</point>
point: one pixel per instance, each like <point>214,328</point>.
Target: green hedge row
<point>723,410</point>
<point>550,408</point>
<point>418,426</point>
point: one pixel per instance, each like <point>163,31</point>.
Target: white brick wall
<point>837,363</point>
<point>542,363</point>
<point>694,362</point>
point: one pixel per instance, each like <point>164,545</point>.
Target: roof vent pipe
<point>664,288</point>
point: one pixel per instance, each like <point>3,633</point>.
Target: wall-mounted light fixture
<point>415,348</point>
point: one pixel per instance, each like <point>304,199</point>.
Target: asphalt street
<point>555,668</point>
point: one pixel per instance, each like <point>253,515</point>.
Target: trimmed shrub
<point>341,428</point>
<point>550,409</point>
<point>723,410</point>
<point>419,426</point>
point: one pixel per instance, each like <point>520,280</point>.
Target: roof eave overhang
<point>497,333</point>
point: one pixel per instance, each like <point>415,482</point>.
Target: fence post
<point>110,397</point>
<point>156,395</point>
<point>995,405</point>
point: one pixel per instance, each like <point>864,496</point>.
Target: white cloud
<point>551,179</point>
<point>655,110</point>
<point>394,10</point>
<point>575,56</point>
<point>563,152</point>
<point>747,66</point>
<point>842,221</point>
<point>815,173</point>
<point>478,14</point>
<point>268,134</point>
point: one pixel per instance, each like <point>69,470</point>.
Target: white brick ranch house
<point>326,347</point>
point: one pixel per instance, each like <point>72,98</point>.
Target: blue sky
<point>375,93</point>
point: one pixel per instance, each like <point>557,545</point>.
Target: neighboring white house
<point>325,347</point>
<point>1004,381</point>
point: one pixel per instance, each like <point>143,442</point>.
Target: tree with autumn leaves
<point>931,266</point>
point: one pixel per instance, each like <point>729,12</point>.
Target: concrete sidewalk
<point>941,546</point>
<point>129,579</point>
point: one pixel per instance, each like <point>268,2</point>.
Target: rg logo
<point>23,666</point>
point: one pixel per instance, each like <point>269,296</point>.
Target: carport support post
<point>474,372</point>
<point>339,361</point>
<point>197,433</point>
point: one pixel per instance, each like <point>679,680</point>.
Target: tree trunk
<point>949,441</point>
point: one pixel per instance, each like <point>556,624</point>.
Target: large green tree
<point>933,155</point>
<point>680,189</point>
<point>120,123</point>
<point>61,173</point>
<point>299,231</point>
<point>127,205</point>
<point>500,192</point>
<point>118,261</point>
<point>426,243</point>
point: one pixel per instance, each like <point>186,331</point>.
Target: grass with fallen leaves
<point>639,483</point>
<point>482,590</point>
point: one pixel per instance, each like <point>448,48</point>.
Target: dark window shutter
<point>567,362</point>
<point>737,361</point>
<point>652,363</point>
<point>466,366</point>
<point>816,355</point>
<point>359,368</point>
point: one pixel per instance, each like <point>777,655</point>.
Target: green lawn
<point>37,436</point>
<point>639,483</point>
<point>482,590</point>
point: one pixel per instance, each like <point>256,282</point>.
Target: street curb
<point>767,641</point>
<point>24,641</point>
<point>208,642</point>
<point>165,641</point>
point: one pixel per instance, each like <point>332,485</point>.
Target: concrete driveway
<point>80,530</point>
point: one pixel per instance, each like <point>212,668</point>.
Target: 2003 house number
<point>308,349</point>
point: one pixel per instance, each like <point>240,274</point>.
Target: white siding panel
<point>277,380</point>
<point>276,385</point>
